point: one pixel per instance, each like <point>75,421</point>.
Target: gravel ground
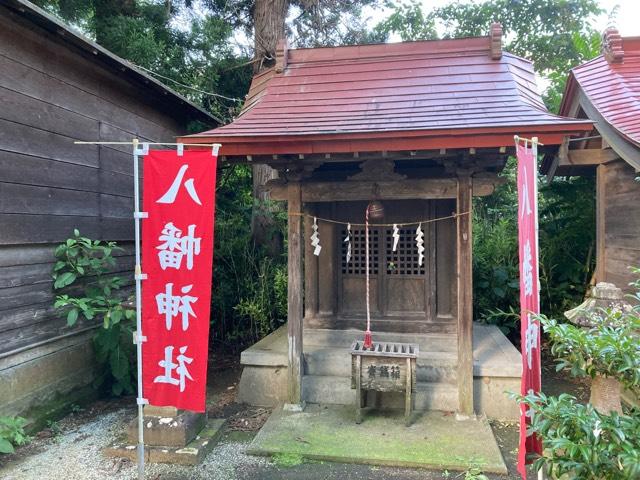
<point>76,453</point>
<point>72,448</point>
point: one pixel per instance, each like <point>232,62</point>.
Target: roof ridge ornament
<point>495,34</point>
<point>282,55</point>
<point>611,46</point>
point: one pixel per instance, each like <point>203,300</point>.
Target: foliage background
<point>203,49</point>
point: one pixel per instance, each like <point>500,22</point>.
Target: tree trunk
<point>269,20</point>
<point>605,395</point>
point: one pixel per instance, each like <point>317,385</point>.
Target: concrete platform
<point>327,369</point>
<point>434,440</point>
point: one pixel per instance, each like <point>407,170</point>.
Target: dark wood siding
<point>621,223</point>
<point>51,95</point>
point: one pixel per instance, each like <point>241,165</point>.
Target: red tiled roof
<point>443,88</point>
<point>612,88</point>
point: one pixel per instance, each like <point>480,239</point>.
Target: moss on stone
<point>433,440</point>
<point>38,417</point>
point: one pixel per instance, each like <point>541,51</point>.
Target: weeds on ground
<point>475,474</point>
<point>287,459</point>
<point>12,433</point>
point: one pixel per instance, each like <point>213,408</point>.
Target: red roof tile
<point>430,88</point>
<point>612,88</point>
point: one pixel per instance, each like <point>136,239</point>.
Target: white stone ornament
<point>347,240</point>
<point>396,237</point>
<point>315,239</point>
<point>420,243</point>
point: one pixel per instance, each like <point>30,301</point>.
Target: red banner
<point>177,257</point>
<point>529,293</point>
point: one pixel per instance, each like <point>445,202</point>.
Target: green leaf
<point>72,317</point>
<point>119,364</point>
<point>65,279</point>
<point>76,232</point>
<point>117,389</point>
<point>116,316</point>
<point>5,446</point>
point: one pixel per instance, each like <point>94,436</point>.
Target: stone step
<point>437,367</point>
<point>336,390</point>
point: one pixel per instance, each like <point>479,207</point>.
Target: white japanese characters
<point>175,246</point>
<point>171,305</point>
<point>525,201</point>
<point>170,195</point>
<point>527,269</point>
<point>180,368</point>
<point>531,339</point>
<point>178,246</point>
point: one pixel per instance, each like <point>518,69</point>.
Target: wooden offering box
<point>386,367</point>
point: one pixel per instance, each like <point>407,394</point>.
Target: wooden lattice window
<point>404,261</point>
<point>357,264</point>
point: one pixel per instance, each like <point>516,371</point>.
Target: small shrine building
<point>420,128</point>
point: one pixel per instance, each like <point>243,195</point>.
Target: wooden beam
<point>587,156</point>
<point>465,296</point>
<point>601,199</point>
<point>294,294</point>
<point>429,188</point>
<point>431,154</point>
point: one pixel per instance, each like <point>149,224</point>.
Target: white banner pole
<point>138,337</point>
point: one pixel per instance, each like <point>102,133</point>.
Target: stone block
<point>491,398</point>
<point>191,454</point>
<point>263,386</point>
<point>33,379</point>
<point>173,431</point>
<point>153,411</point>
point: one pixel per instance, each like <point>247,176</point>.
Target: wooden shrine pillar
<point>601,198</point>
<point>294,293</point>
<point>464,276</point>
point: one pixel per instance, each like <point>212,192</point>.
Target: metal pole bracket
<point>142,150</point>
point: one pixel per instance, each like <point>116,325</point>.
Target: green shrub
<point>567,239</point>
<point>579,441</point>
<point>249,298</point>
<point>12,433</point>
<point>582,443</point>
<point>83,270</point>
<point>610,349</point>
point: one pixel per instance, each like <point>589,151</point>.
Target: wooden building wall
<point>618,223</point>
<point>51,95</point>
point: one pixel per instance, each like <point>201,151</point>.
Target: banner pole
<point>139,338</point>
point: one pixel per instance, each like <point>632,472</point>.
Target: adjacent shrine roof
<point>611,83</point>
<point>397,96</point>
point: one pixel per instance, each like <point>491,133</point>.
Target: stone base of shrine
<point>327,371</point>
<point>433,440</point>
<point>170,436</point>
<point>191,454</point>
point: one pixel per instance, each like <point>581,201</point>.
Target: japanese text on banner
<point>177,257</point>
<point>529,294</point>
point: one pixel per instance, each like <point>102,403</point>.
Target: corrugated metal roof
<point>442,87</point>
<point>613,88</point>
